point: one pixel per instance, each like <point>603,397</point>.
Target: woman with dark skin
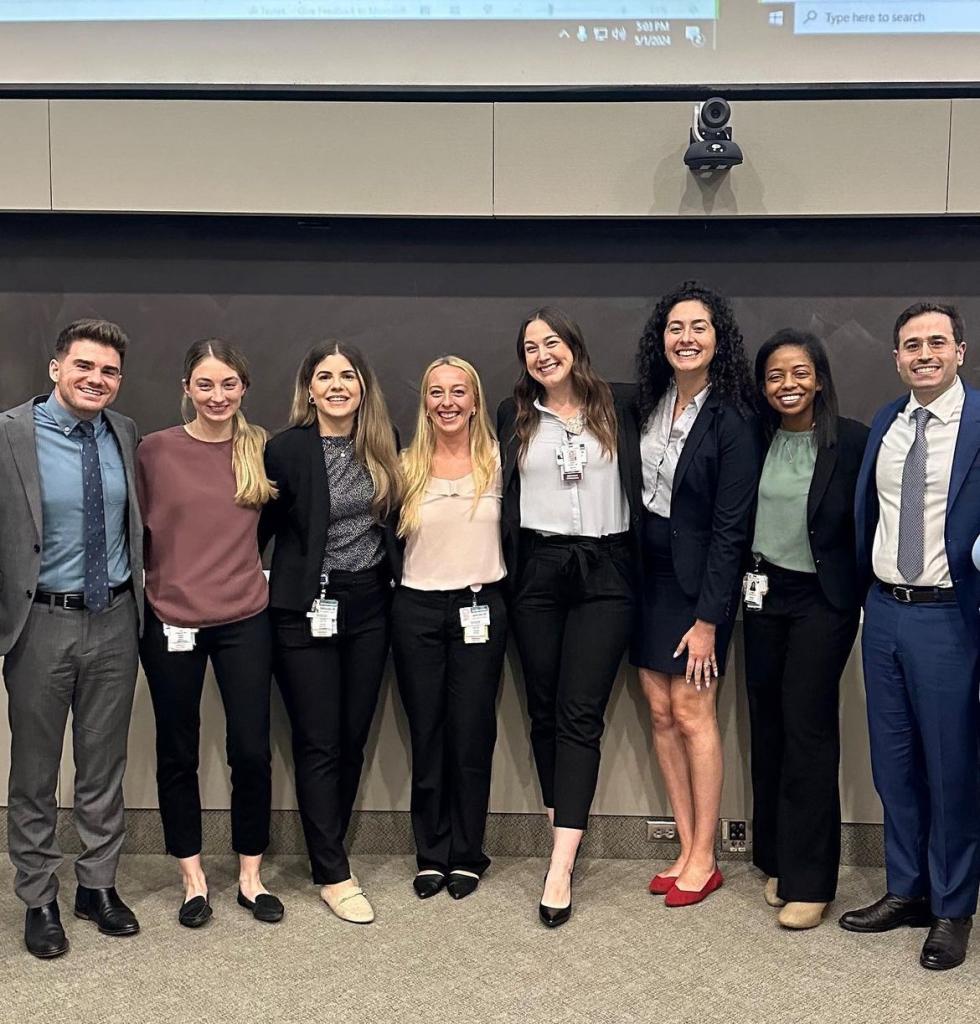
<point>802,608</point>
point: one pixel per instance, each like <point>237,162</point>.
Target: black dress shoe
<point>43,934</point>
<point>461,883</point>
<point>195,912</point>
<point>106,909</point>
<point>945,946</point>
<point>889,912</point>
<point>428,883</point>
<point>265,907</point>
<point>554,916</point>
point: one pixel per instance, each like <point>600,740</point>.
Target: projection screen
<point>496,43</point>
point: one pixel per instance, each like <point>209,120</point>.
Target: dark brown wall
<point>406,291</point>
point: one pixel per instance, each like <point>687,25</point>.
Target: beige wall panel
<point>820,157</point>
<point>424,159</point>
<point>25,173</point>
<point>964,157</point>
<point>629,782</point>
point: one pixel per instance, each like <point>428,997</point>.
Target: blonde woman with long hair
<point>336,467</point>
<point>449,624</point>
<point>201,489</point>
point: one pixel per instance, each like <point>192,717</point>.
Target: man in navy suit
<point>918,513</point>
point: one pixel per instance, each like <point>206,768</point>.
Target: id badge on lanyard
<point>324,613</point>
<point>755,586</point>
<point>571,457</point>
<point>180,639</point>
<point>475,620</point>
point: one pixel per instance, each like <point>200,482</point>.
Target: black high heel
<point>554,916</point>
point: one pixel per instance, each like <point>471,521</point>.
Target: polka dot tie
<point>96,557</point>
<point>911,514</point>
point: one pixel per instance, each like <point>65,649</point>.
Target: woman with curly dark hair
<point>698,458</point>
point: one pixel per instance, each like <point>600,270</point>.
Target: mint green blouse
<point>780,523</point>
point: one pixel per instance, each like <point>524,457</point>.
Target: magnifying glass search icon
<point>810,16</point>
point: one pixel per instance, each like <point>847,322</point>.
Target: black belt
<point>76,602</point>
<point>918,595</point>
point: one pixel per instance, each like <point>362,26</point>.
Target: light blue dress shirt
<point>59,463</point>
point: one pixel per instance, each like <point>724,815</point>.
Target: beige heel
<point>801,915</point>
<point>772,884</point>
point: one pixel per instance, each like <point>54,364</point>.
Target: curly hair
<point>728,373</point>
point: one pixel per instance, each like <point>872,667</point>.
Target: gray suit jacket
<point>20,515</point>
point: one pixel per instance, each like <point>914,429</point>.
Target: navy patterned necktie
<point>911,515</point>
<point>96,556</point>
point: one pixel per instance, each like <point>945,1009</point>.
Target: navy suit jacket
<point>962,504</point>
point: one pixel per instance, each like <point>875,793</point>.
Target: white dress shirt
<point>594,506</point>
<point>941,430</point>
<point>661,442</point>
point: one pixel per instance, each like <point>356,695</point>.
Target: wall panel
<point>804,158</point>
<point>392,159</point>
<point>25,178</point>
<point>964,157</point>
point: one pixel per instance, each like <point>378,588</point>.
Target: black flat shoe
<point>106,909</point>
<point>265,907</point>
<point>428,883</point>
<point>887,913</point>
<point>43,934</point>
<point>946,944</point>
<point>554,916</point>
<point>461,884</point>
<point>195,912</point>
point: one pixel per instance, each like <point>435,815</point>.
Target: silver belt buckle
<point>902,594</point>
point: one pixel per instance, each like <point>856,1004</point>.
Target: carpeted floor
<point>623,957</point>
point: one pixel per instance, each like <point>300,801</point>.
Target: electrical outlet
<point>661,828</point>
<point>735,835</point>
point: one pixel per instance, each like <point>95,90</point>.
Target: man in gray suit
<point>71,572</point>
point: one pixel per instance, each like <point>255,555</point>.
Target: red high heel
<point>660,885</point>
<point>678,897</point>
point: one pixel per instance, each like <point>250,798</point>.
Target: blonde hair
<point>417,457</point>
<point>252,487</point>
<point>374,435</point>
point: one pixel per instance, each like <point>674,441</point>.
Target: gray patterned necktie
<point>96,557</point>
<point>911,516</point>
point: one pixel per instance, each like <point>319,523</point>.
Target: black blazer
<point>298,519</point>
<point>830,515</point>
<point>712,504</point>
<point>510,515</point>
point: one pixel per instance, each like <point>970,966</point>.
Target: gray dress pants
<point>84,662</point>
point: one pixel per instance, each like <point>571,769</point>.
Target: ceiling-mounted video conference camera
<point>712,148</point>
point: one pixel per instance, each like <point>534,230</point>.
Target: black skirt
<point>664,612</point>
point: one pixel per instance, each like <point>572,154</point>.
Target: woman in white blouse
<point>449,624</point>
<point>568,549</point>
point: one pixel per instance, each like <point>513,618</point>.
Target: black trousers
<point>795,651</point>
<point>241,655</point>
<point>449,689</point>
<point>330,688</point>
<point>571,616</point>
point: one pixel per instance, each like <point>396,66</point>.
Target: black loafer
<point>265,907</point>
<point>43,934</point>
<point>195,912</point>
<point>462,884</point>
<point>106,909</point>
<point>428,883</point>
<point>946,944</point>
<point>889,912</point>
